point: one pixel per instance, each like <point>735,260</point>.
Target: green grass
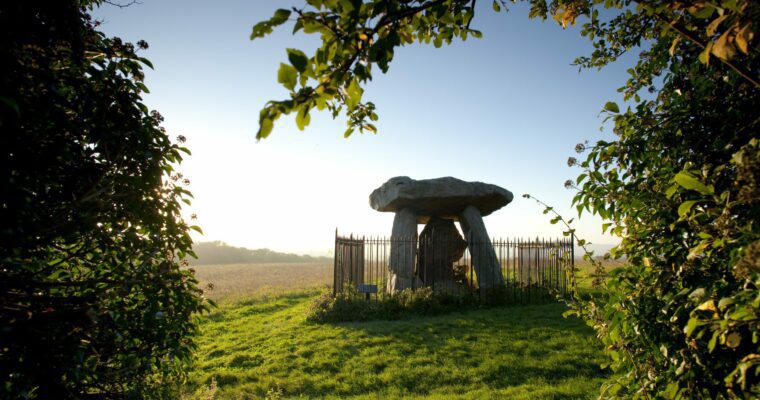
<point>521,352</point>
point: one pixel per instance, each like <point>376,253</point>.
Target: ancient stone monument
<point>438,203</point>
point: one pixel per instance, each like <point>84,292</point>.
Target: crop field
<point>244,281</point>
<point>258,344</point>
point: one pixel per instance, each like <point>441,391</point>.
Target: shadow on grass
<point>526,352</point>
<point>520,344</point>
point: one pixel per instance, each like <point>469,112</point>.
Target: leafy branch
<point>355,39</point>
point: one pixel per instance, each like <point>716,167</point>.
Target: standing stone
<point>440,246</point>
<point>403,250</point>
<point>418,201</point>
<point>484,258</point>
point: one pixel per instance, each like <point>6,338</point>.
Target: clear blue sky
<point>507,109</point>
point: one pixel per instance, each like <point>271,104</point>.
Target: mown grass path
<point>524,352</point>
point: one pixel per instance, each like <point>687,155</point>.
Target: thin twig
<point>115,4</point>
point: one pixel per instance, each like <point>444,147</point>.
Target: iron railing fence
<point>526,271</point>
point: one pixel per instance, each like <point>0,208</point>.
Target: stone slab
<point>445,197</point>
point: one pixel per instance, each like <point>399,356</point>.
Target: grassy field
<point>263,347</point>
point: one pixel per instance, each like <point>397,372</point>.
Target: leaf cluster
<point>357,37</point>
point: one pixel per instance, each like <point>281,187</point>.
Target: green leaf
<point>690,182</point>
<point>704,12</point>
<point>146,62</point>
<point>672,390</point>
<point>265,128</point>
<point>347,6</point>
<point>612,107</point>
<point>264,28</point>
<point>142,87</point>
<point>697,294</point>
<point>287,76</point>
<point>260,30</point>
<point>298,59</point>
<point>353,94</point>
<point>303,118</point>
<point>685,207</point>
<point>370,127</point>
<point>725,302</point>
<point>280,16</point>
<point>692,325</point>
<point>297,26</point>
<point>713,341</point>
<point>671,190</point>
<point>496,6</point>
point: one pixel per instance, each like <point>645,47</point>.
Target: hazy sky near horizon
<point>506,109</point>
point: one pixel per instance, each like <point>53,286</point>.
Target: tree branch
<point>388,19</point>
<point>125,5</point>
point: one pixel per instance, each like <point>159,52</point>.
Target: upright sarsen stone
<point>440,245</point>
<point>484,259</point>
<point>403,250</point>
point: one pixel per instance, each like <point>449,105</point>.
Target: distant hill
<point>218,252</point>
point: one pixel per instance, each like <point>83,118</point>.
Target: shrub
<point>94,301</point>
<point>352,306</point>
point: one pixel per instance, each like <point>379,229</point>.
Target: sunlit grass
<point>524,352</point>
<point>258,343</point>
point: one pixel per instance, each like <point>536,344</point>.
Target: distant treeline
<point>218,252</point>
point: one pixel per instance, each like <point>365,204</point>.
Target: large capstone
<point>442,197</point>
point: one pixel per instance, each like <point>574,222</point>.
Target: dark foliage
<point>93,302</point>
